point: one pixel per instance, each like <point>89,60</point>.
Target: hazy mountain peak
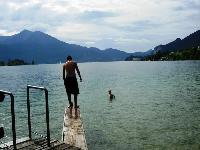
<point>25,32</point>
<point>32,37</point>
<point>178,39</point>
<point>37,31</point>
<point>30,33</point>
<point>111,49</point>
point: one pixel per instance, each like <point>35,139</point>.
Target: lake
<point>157,104</point>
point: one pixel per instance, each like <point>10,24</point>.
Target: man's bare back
<point>69,68</point>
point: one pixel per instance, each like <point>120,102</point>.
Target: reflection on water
<point>157,104</point>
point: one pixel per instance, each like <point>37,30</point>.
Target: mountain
<point>143,54</point>
<point>185,49</point>
<point>187,45</point>
<point>139,55</point>
<point>193,40</point>
<point>43,48</point>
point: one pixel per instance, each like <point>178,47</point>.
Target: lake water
<point>157,104</point>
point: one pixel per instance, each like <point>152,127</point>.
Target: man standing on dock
<point>70,82</point>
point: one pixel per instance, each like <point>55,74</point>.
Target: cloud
<point>130,25</point>
<point>95,16</point>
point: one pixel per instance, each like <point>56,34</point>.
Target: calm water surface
<point>157,104</point>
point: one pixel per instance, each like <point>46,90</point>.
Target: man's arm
<point>63,72</point>
<point>79,74</point>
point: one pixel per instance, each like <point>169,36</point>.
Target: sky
<point>128,25</point>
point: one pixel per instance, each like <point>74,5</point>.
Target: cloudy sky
<point>129,25</point>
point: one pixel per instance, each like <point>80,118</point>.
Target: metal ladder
<point>2,97</point>
<point>47,112</point>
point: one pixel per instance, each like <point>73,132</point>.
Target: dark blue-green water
<point>157,104</point>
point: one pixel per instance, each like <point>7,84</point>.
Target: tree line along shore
<point>15,62</point>
<point>187,54</point>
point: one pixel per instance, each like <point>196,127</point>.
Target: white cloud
<point>5,32</point>
<point>129,24</point>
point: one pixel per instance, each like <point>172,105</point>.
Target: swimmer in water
<point>111,96</point>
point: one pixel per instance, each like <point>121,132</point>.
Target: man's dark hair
<point>69,57</point>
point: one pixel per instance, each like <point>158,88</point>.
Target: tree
<point>16,62</point>
<point>33,62</point>
<point>2,63</point>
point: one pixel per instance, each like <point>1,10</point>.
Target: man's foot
<point>76,106</point>
<point>71,105</point>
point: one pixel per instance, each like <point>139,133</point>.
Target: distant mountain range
<point>193,40</point>
<point>43,48</point>
<point>189,42</point>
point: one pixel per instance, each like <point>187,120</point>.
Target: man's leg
<point>70,104</point>
<point>69,99</point>
<point>75,105</point>
<point>75,100</point>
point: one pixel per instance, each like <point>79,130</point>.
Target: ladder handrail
<point>13,116</point>
<point>47,111</point>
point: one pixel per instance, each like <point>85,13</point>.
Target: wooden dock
<point>38,144</point>
<point>73,137</point>
<point>73,132</point>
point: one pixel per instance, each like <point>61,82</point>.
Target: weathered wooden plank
<point>41,144</point>
<point>73,131</point>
